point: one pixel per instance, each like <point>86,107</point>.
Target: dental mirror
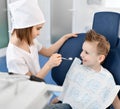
<point>69,59</point>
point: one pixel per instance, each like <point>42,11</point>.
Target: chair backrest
<point>105,23</point>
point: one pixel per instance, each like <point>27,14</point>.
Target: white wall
<point>83,16</point>
<point>44,37</point>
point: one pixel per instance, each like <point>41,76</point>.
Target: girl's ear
<point>101,58</point>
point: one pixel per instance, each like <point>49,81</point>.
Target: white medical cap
<point>25,13</point>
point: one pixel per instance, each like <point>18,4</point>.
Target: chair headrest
<point>107,24</point>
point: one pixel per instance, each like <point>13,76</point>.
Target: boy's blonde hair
<point>103,46</point>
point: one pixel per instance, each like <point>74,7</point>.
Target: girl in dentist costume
<point>23,48</point>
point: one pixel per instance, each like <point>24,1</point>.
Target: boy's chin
<point>85,64</point>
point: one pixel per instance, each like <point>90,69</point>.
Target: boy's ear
<point>101,58</point>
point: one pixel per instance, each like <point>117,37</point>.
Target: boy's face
<point>89,54</point>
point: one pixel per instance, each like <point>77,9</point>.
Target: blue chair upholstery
<point>3,66</point>
<point>105,23</point>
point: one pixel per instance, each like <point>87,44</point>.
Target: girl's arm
<point>53,61</point>
<point>55,47</point>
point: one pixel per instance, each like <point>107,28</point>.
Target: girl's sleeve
<point>17,66</point>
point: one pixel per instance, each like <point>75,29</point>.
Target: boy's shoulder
<point>106,73</point>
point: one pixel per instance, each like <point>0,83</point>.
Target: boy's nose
<point>81,54</point>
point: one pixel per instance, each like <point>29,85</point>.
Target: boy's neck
<point>97,68</point>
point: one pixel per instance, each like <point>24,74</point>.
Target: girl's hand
<point>54,60</point>
<point>67,36</point>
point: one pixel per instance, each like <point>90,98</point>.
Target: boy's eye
<point>86,52</point>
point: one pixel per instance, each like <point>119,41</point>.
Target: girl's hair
<point>24,34</point>
<point>103,46</point>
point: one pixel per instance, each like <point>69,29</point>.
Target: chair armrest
<point>54,88</point>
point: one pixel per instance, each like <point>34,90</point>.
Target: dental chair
<point>105,23</point>
<point>3,66</point>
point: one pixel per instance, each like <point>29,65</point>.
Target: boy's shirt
<point>86,89</point>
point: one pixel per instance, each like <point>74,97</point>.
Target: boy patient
<point>87,85</point>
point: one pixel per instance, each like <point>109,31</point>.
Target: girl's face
<point>89,54</point>
<point>36,30</point>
